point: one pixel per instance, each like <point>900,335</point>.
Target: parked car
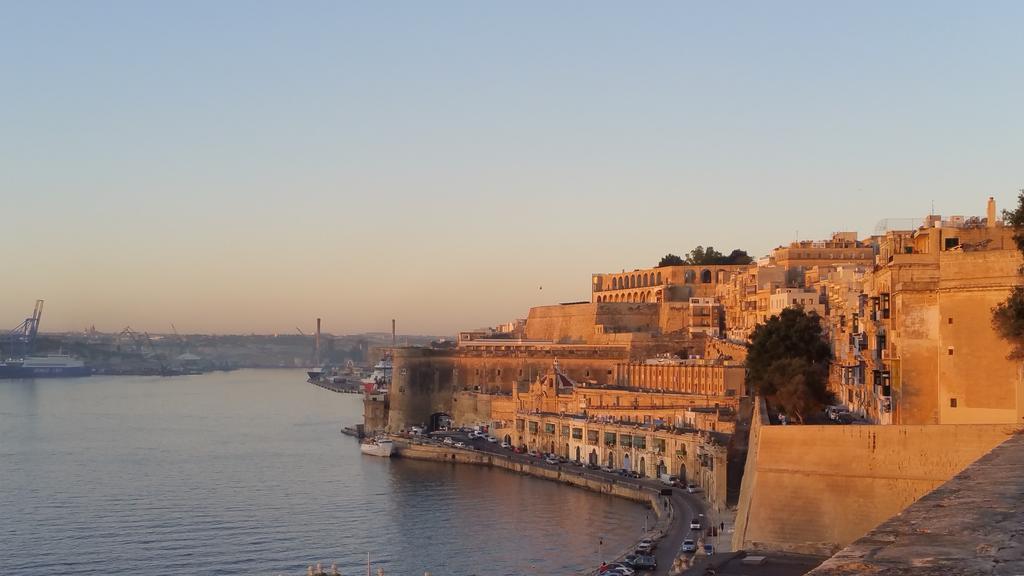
<point>533,454</point>
<point>607,469</point>
<point>460,444</point>
<point>644,547</point>
<point>669,480</point>
<point>506,445</point>
<point>634,474</point>
<point>448,440</point>
<point>695,524</point>
<point>621,569</point>
<point>692,488</point>
<point>709,549</point>
<point>689,546</point>
<point>552,461</point>
<point>491,439</point>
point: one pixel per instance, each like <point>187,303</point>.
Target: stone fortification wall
<point>716,347</point>
<point>473,408</point>
<point>586,323</point>
<point>815,489</point>
<point>425,381</point>
<point>973,524</point>
<point>421,385</point>
<point>749,482</point>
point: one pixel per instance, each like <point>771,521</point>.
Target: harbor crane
<point>23,337</point>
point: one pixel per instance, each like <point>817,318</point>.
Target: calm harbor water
<point>246,473</point>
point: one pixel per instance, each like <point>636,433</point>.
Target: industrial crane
<point>23,337</point>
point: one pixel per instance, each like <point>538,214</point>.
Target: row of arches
<point>647,296</point>
<point>640,280</point>
<point>706,276</point>
<point>649,279</point>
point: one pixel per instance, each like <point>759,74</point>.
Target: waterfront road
<point>685,506</point>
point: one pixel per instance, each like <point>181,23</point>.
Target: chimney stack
<point>991,212</point>
<point>317,345</point>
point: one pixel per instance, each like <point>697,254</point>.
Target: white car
<point>689,546</point>
<point>695,524</point>
<point>506,445</point>
<point>448,440</point>
<point>460,444</point>
<point>551,460</point>
<point>692,488</point>
<point>490,438</point>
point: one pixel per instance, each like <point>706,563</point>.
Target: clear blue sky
<point>248,166</point>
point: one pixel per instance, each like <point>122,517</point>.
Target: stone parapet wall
<point>973,524</point>
<point>815,489</point>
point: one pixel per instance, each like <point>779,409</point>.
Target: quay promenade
<point>672,513</point>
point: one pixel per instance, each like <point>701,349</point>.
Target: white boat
<point>378,447</point>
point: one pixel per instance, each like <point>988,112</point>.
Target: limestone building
<point>916,345</point>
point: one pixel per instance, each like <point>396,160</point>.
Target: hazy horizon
<point>248,167</point>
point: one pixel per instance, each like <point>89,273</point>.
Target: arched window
<point>689,276</point>
<point>658,281</point>
<point>705,276</point>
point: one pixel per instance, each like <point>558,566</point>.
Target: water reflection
<point>245,473</point>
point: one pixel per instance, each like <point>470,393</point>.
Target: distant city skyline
<point>248,167</point>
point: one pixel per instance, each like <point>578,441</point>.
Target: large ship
<point>55,366</point>
<point>378,447</point>
<point>22,363</point>
<point>379,380</point>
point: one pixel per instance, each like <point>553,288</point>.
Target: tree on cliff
<point>738,257</point>
<point>1008,316</point>
<point>701,256</point>
<point>787,361</point>
<point>670,260</point>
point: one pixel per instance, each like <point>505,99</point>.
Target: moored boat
<point>53,366</point>
<point>378,447</point>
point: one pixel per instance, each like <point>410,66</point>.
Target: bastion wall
<point>426,381</point>
<point>816,489</point>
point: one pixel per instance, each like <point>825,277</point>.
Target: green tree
<point>738,257</point>
<point>670,260</point>
<point>800,387</point>
<point>787,361</point>
<point>701,256</point>
<point>1008,316</point>
<point>704,256</point>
